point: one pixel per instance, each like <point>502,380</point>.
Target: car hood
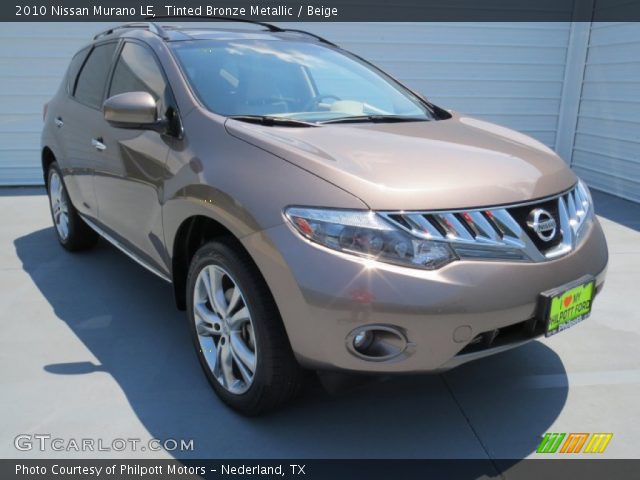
<point>457,163</point>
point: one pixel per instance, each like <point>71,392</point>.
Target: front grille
<point>503,232</point>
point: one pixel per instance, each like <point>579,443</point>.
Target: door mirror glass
<point>132,110</point>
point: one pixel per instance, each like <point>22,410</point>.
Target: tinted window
<point>92,79</point>
<point>300,80</point>
<point>74,68</point>
<point>137,71</point>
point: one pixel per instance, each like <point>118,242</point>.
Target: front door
<point>130,172</point>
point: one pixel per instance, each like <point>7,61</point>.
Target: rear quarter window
<point>74,68</point>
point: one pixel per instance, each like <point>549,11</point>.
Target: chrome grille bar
<point>454,229</point>
<point>494,233</point>
<point>421,226</point>
<point>485,232</point>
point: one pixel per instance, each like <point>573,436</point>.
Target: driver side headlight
<point>366,234</point>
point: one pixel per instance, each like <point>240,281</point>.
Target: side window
<point>74,68</point>
<point>137,71</point>
<point>93,77</point>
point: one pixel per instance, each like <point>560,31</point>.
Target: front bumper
<point>323,296</point>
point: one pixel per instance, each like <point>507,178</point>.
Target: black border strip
<point>584,469</point>
<point>342,11</point>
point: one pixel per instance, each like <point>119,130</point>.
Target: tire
<point>72,232</point>
<point>228,365</point>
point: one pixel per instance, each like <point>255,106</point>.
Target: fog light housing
<point>377,343</point>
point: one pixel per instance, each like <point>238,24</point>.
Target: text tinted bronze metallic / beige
<point>310,211</point>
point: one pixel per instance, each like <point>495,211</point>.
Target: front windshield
<point>295,80</point>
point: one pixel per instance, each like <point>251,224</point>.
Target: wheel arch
<point>192,233</point>
<point>47,158</point>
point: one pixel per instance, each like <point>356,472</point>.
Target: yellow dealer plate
<point>568,305</point>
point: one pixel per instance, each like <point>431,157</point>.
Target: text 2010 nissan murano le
<point>311,211</point>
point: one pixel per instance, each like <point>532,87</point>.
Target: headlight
<point>365,234</point>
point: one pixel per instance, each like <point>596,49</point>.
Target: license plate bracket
<point>567,305</point>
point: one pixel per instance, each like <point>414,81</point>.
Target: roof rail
<point>152,27</point>
<point>268,26</point>
<point>317,37</point>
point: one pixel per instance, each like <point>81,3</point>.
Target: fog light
<point>376,343</point>
<point>362,340</point>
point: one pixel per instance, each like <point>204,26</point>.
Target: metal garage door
<point>508,73</point>
<point>606,151</point>
<point>33,59</point>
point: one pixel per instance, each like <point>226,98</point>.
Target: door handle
<point>97,144</point>
<point>58,121</point>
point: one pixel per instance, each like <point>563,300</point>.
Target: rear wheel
<point>72,232</point>
<point>238,334</point>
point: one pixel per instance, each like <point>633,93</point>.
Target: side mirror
<point>136,110</point>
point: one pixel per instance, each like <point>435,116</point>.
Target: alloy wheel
<point>225,329</point>
<point>59,206</point>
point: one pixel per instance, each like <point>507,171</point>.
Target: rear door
<point>79,119</point>
<point>130,171</point>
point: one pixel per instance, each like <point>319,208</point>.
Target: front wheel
<point>238,334</point>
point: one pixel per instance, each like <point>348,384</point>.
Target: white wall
<point>606,151</point>
<point>33,59</point>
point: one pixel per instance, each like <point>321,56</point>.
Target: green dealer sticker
<point>569,308</point>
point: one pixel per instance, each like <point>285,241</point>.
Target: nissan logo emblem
<point>541,222</point>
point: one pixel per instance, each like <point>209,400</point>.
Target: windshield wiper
<point>376,119</point>
<point>273,121</point>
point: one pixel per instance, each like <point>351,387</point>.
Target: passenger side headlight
<point>366,234</point>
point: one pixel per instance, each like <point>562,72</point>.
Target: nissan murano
<point>311,212</point>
